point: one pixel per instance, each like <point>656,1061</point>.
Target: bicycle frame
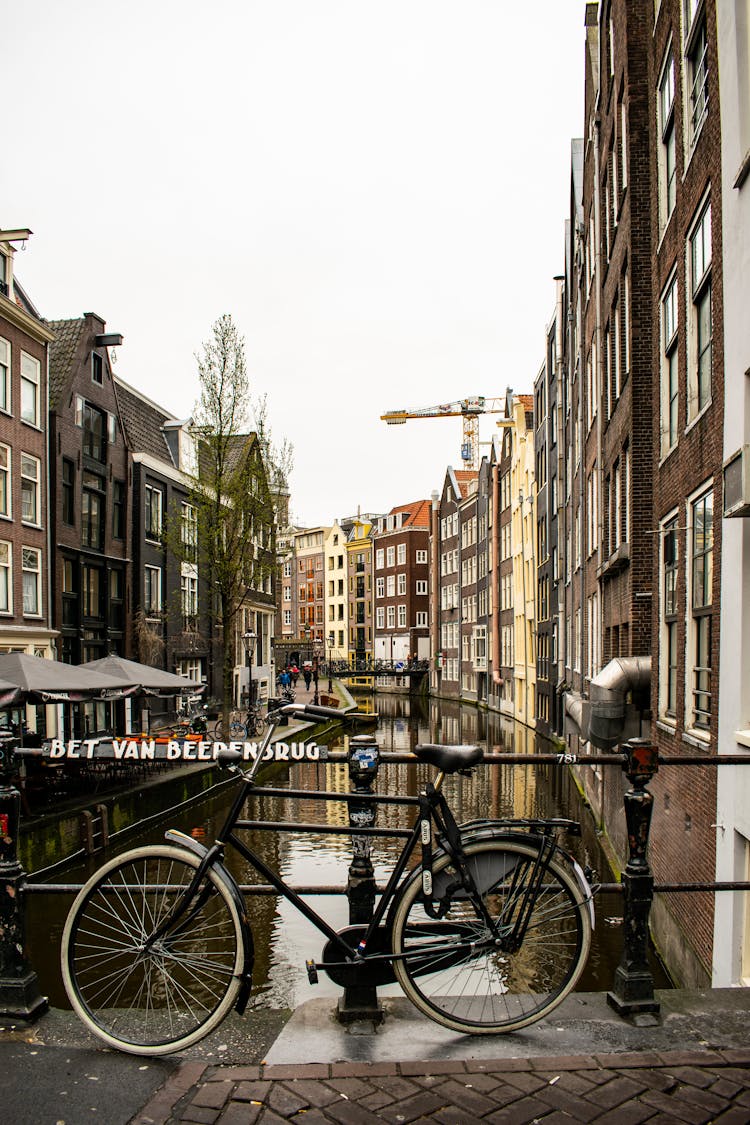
<point>434,822</point>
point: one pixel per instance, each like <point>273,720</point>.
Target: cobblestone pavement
<point>664,1088</point>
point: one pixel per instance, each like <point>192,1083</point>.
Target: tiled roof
<point>143,421</point>
<point>62,354</point>
<point>464,479</point>
<point>417,513</point>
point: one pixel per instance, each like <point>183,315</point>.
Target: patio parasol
<point>150,681</point>
<point>37,680</point>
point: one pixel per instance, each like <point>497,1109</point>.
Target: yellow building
<point>523,539</point>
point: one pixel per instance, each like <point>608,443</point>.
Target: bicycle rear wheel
<point>151,1001</point>
<point>452,968</point>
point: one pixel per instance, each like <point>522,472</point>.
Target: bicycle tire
<point>237,730</point>
<point>169,998</point>
<point>475,987</point>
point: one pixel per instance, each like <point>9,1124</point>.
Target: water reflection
<point>283,938</point>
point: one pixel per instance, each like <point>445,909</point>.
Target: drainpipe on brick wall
<point>496,601</point>
<point>561,514</point>
<point>435,607</point>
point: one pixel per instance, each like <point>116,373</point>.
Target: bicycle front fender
<point>174,836</point>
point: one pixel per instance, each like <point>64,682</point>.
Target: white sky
<point>376,191</point>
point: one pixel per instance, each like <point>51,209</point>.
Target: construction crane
<point>467,408</point>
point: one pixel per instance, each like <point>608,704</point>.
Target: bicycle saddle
<point>448,759</point>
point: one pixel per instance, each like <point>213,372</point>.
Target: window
<point>117,598</point>
<point>31,565</point>
<point>189,592</point>
<point>701,585</point>
<point>97,370</point>
<point>380,587</point>
<point>390,556</point>
<point>421,620</point>
<point>421,557</point>
<point>118,509</point>
<point>153,512</point>
<point>287,618</point>
<point>93,491</point>
<point>6,573</point>
<point>697,74</point>
<point>670,566</point>
<point>94,425</point>
<point>669,386</point>
<point>701,327</point>
<point>402,617</point>
<point>152,591</point>
<point>667,154</point>
<point>189,529</point>
<point>30,470</point>
<point>421,586</point>
<point>68,492</point>
<point>30,375</point>
<point>401,554</point>
<point>391,616</point>
<point>5,491</point>
<point>379,559</point>
<point>92,591</point>
<point>401,584</point>
<point>391,585</point>
<point>380,617</point>
<point>4,371</point>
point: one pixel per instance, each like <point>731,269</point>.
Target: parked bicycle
<point>191,718</point>
<point>486,930</point>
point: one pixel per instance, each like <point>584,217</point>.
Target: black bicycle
<point>486,932</point>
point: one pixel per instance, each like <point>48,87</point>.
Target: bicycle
<point>487,932</point>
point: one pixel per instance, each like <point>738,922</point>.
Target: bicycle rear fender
<point>174,836</point>
<point>486,830</point>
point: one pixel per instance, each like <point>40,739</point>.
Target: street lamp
<point>331,639</point>
<point>249,638</point>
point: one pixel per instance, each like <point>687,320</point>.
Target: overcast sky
<point>375,191</point>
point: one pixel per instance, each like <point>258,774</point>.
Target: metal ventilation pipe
<point>607,692</point>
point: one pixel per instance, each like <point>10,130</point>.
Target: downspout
<point>599,368</point>
<point>436,587</point>
<point>50,529</point>
<point>496,677</point>
<point>581,492</point>
<point>560,438</point>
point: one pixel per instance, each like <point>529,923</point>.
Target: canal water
<point>283,939</point>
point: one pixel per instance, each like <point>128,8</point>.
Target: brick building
<point>25,580</point>
<point>401,571</point>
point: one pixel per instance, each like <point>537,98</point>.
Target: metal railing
<point>633,986</point>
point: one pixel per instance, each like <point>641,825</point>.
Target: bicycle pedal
<point>312,972</point>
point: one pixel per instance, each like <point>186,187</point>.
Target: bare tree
<point>229,490</point>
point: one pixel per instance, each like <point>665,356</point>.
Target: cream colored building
<point>523,538</point>
<point>336,626</point>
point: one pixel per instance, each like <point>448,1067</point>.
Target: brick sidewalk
<point>664,1088</point>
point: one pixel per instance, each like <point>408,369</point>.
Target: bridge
<point>362,672</point>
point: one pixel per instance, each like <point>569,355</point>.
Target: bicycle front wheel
<point>453,966</point>
<point>152,999</point>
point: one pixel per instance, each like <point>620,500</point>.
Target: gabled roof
<point>143,422</point>
<point>62,353</point>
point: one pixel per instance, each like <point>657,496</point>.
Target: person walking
<point>307,674</point>
<point>294,671</point>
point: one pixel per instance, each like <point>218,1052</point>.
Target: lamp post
<point>249,638</point>
<point>331,639</point>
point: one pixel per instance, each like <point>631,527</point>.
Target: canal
<point>283,939</point>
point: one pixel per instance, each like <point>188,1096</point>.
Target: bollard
<point>360,1001</point>
<point>20,998</point>
<point>633,988</point>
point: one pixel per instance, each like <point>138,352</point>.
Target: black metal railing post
<point>20,998</point>
<point>360,1001</point>
<point>633,988</point>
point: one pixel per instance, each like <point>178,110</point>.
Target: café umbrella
<point>142,677</point>
<point>37,680</point>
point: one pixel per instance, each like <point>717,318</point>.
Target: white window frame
<point>27,553</point>
<point>390,556</point>
<point>699,261</point>
<point>667,130</point>
<point>6,566</point>
<point>422,586</point>
<point>421,619</point>
<point>152,581</point>
<point>6,474</point>
<point>379,558</point>
<point>401,554</point>
<point>390,617</point>
<point>380,617</point>
<point>5,358</point>
<point>27,462</point>
<point>30,378</point>
<point>152,491</point>
<point>700,730</point>
<point>401,584</point>
<point>669,396</point>
<point>420,556</point>
<point>189,589</point>
<point>390,586</point>
<point>402,617</point>
<point>668,622</point>
<point>380,587</point>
